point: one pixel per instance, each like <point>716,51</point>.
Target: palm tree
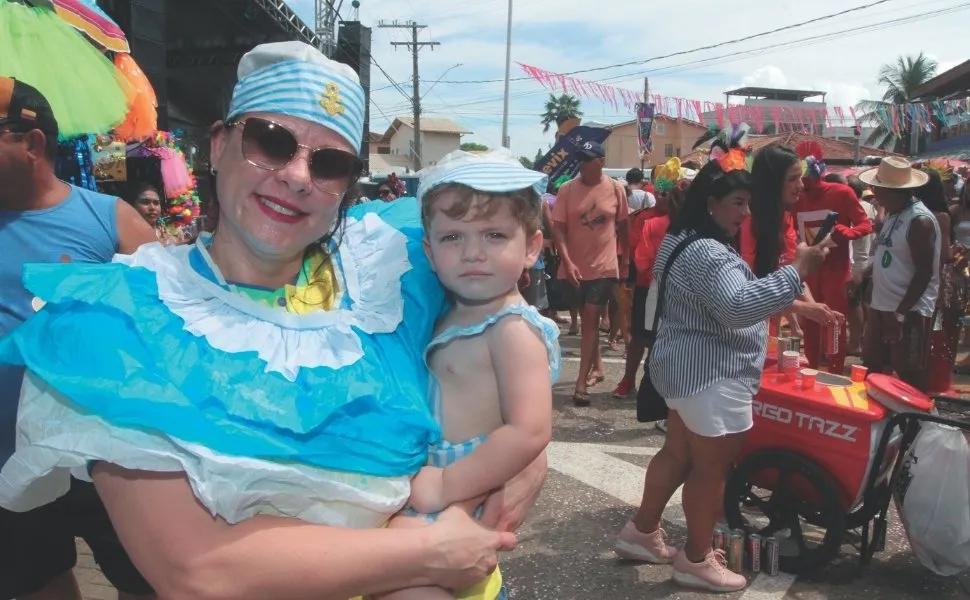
<point>901,81</point>
<point>560,109</point>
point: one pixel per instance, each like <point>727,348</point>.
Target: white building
<point>439,136</point>
<point>791,108</point>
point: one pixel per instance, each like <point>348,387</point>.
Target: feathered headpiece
<point>666,176</point>
<point>728,146</point>
<point>811,154</point>
<point>942,168</point>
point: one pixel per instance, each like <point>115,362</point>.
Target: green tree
<point>473,147</point>
<point>560,109</point>
<point>528,164</point>
<point>539,155</point>
<point>901,79</point>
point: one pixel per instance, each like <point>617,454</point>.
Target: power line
<point>741,53</point>
<point>692,50</point>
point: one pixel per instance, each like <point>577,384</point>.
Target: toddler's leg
<point>422,593</point>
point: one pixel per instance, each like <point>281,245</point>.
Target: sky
<point>569,35</point>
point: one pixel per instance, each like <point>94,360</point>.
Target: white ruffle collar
<point>371,261</point>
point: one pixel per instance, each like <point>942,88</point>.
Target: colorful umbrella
<point>85,16</point>
<point>85,90</point>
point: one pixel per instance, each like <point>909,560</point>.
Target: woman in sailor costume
<point>252,407</point>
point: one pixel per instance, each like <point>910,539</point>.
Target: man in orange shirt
<point>589,227</point>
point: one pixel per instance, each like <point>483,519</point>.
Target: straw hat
<point>895,173</point>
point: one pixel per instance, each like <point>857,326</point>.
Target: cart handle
<point>954,399</point>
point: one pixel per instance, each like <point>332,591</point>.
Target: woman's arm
<point>186,554</point>
<point>946,252</point>
<point>719,281</point>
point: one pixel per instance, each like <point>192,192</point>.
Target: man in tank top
<point>43,220</point>
<point>905,274</point>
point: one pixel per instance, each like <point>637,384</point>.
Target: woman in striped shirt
<point>707,363</point>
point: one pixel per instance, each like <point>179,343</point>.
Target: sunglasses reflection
<point>271,146</point>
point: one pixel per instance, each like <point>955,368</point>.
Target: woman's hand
<point>428,491</point>
<point>808,259</point>
<point>821,314</point>
<point>464,552</point>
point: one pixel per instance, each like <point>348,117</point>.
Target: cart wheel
<point>815,531</point>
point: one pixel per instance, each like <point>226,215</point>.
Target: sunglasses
<point>271,146</point>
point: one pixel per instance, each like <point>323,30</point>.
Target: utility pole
<point>508,69</point>
<point>415,47</point>
<point>646,100</point>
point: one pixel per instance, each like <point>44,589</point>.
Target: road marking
<point>594,465</point>
<point>606,359</point>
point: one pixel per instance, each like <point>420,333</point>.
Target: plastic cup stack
<point>808,379</point>
<point>859,373</point>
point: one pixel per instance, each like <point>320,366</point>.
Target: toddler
<point>493,357</point>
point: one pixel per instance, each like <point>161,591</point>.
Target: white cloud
<point>567,35</point>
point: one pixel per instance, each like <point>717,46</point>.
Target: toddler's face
<point>479,258</point>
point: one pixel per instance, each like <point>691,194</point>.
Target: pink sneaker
<point>649,547</point>
<point>711,575</point>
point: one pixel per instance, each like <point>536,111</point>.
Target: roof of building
<point>949,82</point>
<point>834,151</point>
<point>774,93</point>
<point>375,138</point>
<point>428,125</point>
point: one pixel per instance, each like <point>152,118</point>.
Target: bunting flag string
<point>895,118</point>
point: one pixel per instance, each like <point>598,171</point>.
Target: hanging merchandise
<point>86,92</point>
<point>74,165</point>
<point>109,159</point>
<point>88,18</point>
<point>142,119</point>
<point>181,187</point>
<point>645,114</point>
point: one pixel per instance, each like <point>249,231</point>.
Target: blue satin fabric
<point>107,343</point>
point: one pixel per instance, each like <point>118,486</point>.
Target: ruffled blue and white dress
<point>150,364</point>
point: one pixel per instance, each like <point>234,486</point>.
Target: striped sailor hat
<point>295,79</point>
<point>496,171</point>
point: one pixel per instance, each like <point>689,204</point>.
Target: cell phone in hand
<point>826,227</point>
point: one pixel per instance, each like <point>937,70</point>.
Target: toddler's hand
<point>428,490</point>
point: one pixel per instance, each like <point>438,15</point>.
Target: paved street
<point>597,465</point>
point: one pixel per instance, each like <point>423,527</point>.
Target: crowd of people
<point>275,408</point>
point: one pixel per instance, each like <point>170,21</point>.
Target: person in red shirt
<point>828,284</point>
<point>646,233</point>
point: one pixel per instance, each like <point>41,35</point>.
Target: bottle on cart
<point>833,334</point>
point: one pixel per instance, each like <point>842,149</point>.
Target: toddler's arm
<point>521,365</point>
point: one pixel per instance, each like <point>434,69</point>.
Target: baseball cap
<point>591,149</point>
<point>24,108</point>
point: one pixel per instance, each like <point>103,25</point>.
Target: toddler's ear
<point>533,246</point>
<point>426,244</point>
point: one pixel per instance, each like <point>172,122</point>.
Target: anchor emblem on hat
<point>331,101</point>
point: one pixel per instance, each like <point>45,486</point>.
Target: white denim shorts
<point>722,409</point>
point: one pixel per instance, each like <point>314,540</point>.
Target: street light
<point>508,68</point>
<point>442,76</point>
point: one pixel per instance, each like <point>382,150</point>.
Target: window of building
<point>659,128</point>
<point>668,150</point>
<point>383,150</point>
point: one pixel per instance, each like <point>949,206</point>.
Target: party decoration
<point>86,92</point>
<point>179,180</point>
<point>645,114</point>
<point>896,118</point>
<point>85,16</point>
<point>109,159</point>
<point>142,119</point>
<point>74,164</point>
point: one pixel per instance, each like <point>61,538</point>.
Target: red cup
<point>808,379</point>
<point>859,373</point>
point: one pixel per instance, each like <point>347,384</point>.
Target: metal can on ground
<point>772,556</point>
<point>735,554</point>
<point>754,552</point>
<point>784,345</point>
<point>721,539</point>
